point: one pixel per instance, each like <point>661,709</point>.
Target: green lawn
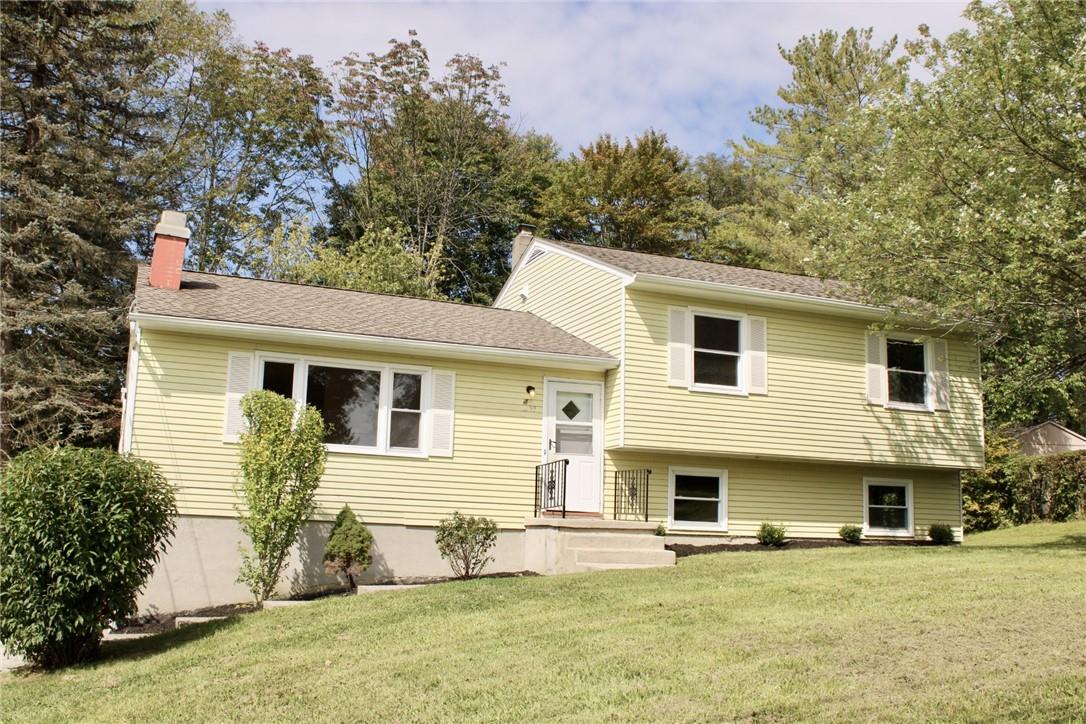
<point>995,629</point>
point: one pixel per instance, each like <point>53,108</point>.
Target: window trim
<point>929,392</point>
<point>741,356</point>
<point>384,408</point>
<point>908,532</point>
<point>722,502</point>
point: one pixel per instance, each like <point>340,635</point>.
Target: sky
<point>692,70</point>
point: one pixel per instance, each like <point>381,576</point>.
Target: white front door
<point>573,430</point>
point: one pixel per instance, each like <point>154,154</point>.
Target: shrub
<point>347,552</point>
<point>282,460</point>
<point>941,534</point>
<point>465,542</point>
<point>770,534</point>
<point>661,529</point>
<point>851,534</point>
<point>82,530</point>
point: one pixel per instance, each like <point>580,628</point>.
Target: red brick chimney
<point>171,237</point>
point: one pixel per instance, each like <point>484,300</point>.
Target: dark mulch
<point>689,549</point>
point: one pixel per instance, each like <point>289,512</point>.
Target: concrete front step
<point>616,566</point>
<point>613,541</point>
<point>623,556</point>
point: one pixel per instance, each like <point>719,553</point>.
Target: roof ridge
<point>563,242</point>
<point>309,285</point>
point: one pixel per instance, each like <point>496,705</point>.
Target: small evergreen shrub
<point>851,534</point>
<point>82,529</point>
<point>770,534</point>
<point>347,553</point>
<point>465,542</point>
<point>941,534</point>
<point>661,529</point>
<point>282,460</point>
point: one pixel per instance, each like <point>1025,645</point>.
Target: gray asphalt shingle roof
<point>300,306</point>
<point>636,262</point>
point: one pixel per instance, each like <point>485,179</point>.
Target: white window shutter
<point>940,374</point>
<point>239,376</point>
<point>876,368</point>
<point>678,348</point>
<point>442,414</point>
<point>756,357</point>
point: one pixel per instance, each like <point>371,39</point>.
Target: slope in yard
<point>995,629</point>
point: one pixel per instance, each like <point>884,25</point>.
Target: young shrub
<point>941,534</point>
<point>661,529</point>
<point>347,553</point>
<point>851,534</point>
<point>82,529</point>
<point>465,542</point>
<point>282,460</point>
<point>771,535</point>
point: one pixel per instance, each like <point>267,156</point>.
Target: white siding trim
<point>128,402</point>
<point>538,243</point>
<point>875,354</point>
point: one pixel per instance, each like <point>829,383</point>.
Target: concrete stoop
<point>554,545</point>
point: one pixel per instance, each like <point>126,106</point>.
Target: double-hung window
<point>366,408</point>
<point>906,373</point>
<point>718,352</point>
<point>888,507</point>
<point>698,498</point>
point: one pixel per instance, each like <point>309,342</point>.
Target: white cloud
<point>574,71</point>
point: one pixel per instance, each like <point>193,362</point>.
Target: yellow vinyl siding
<point>584,301</point>
<point>811,499</point>
<point>178,424</point>
<point>816,408</point>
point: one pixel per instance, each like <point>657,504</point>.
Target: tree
<point>347,552</point>
<point>637,194</point>
<point>80,148</point>
<point>282,460</point>
<point>248,140</point>
<point>975,208</point>
<point>821,142</point>
<point>432,157</point>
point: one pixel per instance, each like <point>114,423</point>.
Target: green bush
<point>347,553</point>
<point>1013,489</point>
<point>465,542</point>
<point>282,460</point>
<point>82,529</point>
<point>851,534</point>
<point>770,534</point>
<point>941,534</point>
<point>661,529</point>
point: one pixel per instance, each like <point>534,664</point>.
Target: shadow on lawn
<point>134,649</point>
<point>1072,541</point>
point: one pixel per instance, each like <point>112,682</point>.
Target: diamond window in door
<point>574,407</point>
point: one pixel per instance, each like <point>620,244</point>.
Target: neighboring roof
<point>1048,438</point>
<point>243,300</point>
<point>636,262</point>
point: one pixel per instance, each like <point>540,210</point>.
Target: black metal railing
<point>550,487</point>
<point>632,494</point>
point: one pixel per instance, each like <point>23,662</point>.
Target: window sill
<point>375,452</point>
<point>888,532</point>
<point>907,407</point>
<point>680,527</point>
<point>717,390</point>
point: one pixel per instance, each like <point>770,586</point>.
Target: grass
<point>994,629</point>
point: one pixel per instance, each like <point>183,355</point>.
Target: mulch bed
<point>689,549</point>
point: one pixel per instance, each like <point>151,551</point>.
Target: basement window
<point>697,499</point>
<point>888,507</point>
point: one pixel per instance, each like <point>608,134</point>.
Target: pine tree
<point>74,135</point>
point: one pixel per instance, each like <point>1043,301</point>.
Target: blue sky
<point>576,70</point>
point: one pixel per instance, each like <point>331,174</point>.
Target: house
<point>606,392</point>
<point>1048,438</point>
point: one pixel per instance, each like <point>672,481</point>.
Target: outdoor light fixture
<point>530,391</point>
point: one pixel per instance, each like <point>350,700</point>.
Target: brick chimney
<point>520,243</point>
<point>171,238</point>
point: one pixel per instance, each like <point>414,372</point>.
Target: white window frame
<point>384,414</point>
<point>929,393</point>
<point>741,387</point>
<point>908,532</point>
<point>722,502</point>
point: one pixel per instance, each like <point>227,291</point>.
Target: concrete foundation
<point>200,568</point>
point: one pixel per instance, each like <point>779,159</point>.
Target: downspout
<point>128,397</point>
